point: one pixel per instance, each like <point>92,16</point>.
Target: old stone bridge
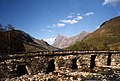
<point>16,65</point>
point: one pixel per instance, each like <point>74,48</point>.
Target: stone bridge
<point>32,63</point>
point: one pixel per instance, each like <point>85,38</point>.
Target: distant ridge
<point>106,37</point>
<point>63,41</point>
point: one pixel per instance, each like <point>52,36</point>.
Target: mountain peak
<point>60,35</point>
<point>62,41</point>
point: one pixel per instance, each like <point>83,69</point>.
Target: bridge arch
<point>109,59</point>
<point>74,63</point>
<point>92,61</point>
<point>51,66</point>
<point>21,70</point>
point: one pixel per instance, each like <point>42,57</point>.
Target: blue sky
<point>44,19</point>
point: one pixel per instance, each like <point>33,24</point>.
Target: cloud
<point>89,13</point>
<point>44,30</point>
<point>69,21</point>
<point>49,40</point>
<point>59,25</point>
<point>79,18</point>
<point>111,2</point>
<point>52,26</point>
<point>70,16</point>
<point>74,20</point>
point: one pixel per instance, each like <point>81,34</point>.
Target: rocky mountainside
<point>107,37</point>
<point>16,41</point>
<point>63,41</point>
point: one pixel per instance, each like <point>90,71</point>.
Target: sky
<point>44,19</point>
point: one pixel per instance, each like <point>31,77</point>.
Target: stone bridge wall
<point>38,64</point>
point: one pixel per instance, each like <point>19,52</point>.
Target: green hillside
<point>107,37</point>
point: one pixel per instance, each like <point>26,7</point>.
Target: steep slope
<point>107,37</point>
<point>63,41</point>
<point>44,44</point>
<point>15,41</point>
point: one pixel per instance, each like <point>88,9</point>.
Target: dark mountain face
<point>9,42</point>
<point>3,40</point>
<point>107,37</point>
<point>16,41</point>
<point>63,41</point>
